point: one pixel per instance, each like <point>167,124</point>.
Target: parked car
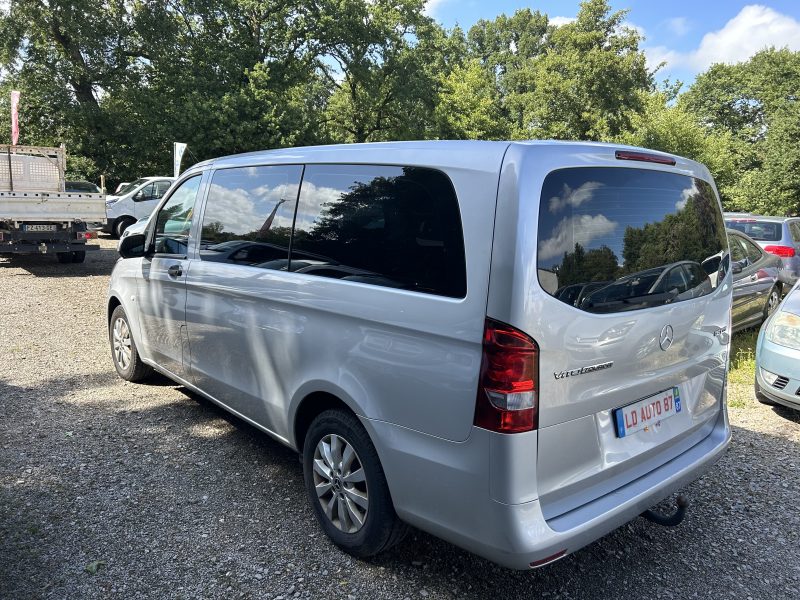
<point>416,355</point>
<point>669,283</point>
<point>757,285</point>
<point>123,185</point>
<point>778,355</point>
<point>777,235</point>
<point>137,201</point>
<point>86,187</point>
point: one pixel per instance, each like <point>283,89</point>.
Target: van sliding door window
<point>390,226</point>
<point>248,215</point>
<point>620,239</point>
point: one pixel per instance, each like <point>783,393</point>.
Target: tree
<point>753,105</point>
<point>469,105</point>
<point>580,80</point>
<point>377,57</point>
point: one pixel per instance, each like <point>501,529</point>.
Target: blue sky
<point>688,35</point>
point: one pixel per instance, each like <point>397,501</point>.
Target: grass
<point>743,356</point>
<point>743,367</point>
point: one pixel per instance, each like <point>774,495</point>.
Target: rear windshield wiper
<point>656,299</point>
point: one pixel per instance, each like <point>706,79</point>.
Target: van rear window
<point>620,239</point>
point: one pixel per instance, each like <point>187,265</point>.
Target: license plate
<point>41,227</point>
<point>647,413</point>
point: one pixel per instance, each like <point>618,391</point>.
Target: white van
<point>133,202</point>
<point>392,312</point>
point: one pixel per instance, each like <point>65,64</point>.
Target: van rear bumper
<point>445,488</point>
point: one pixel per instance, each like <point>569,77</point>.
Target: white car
<point>137,201</point>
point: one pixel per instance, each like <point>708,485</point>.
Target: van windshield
<point>619,239</point>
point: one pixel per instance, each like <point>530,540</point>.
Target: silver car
<point>777,235</point>
<point>405,334</point>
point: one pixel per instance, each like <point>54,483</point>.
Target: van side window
<point>390,226</point>
<point>248,215</point>
<point>174,220</point>
<point>160,188</point>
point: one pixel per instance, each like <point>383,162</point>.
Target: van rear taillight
<point>782,251</point>
<point>644,157</point>
<point>507,399</point>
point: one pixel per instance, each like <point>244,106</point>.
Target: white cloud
<point>679,26</point>
<point>243,210</point>
<point>557,21</point>
<point>755,27</point>
<point>578,229</point>
<point>574,198</point>
<point>637,28</point>
<point>431,6</point>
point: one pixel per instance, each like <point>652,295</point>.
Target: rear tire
<point>346,486</point>
<point>78,256</point>
<point>64,257</point>
<point>126,358</point>
<point>120,225</point>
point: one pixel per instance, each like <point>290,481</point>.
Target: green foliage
<point>753,107</point>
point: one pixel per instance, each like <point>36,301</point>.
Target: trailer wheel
<point>78,256</point>
<point>64,257</point>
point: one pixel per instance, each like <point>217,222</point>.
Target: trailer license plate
<point>41,227</point>
<point>647,413</point>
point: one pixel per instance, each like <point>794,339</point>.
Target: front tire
<point>120,225</point>
<point>773,300</point>
<point>346,486</point>
<point>126,357</point>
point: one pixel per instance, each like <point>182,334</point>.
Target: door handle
<point>175,271</point>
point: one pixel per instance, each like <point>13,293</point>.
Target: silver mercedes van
<point>395,313</point>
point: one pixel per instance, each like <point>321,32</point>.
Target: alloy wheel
<point>340,483</point>
<point>121,335</point>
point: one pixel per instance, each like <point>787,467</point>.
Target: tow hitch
<point>670,520</point>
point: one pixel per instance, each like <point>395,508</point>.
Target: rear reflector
<point>644,157</point>
<point>782,251</point>
<point>507,390</point>
<point>86,235</point>
<point>549,559</point>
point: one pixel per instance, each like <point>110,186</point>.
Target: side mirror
<point>132,246</point>
<point>736,268</point>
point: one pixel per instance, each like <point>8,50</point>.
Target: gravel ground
<point>114,489</point>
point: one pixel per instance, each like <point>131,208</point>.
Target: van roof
<point>468,154</point>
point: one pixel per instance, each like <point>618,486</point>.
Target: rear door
<point>662,344</point>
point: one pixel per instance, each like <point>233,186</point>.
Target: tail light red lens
<point>782,251</point>
<point>86,235</point>
<point>507,399</point>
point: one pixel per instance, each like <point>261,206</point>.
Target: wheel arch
<point>309,406</point>
<point>113,303</point>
